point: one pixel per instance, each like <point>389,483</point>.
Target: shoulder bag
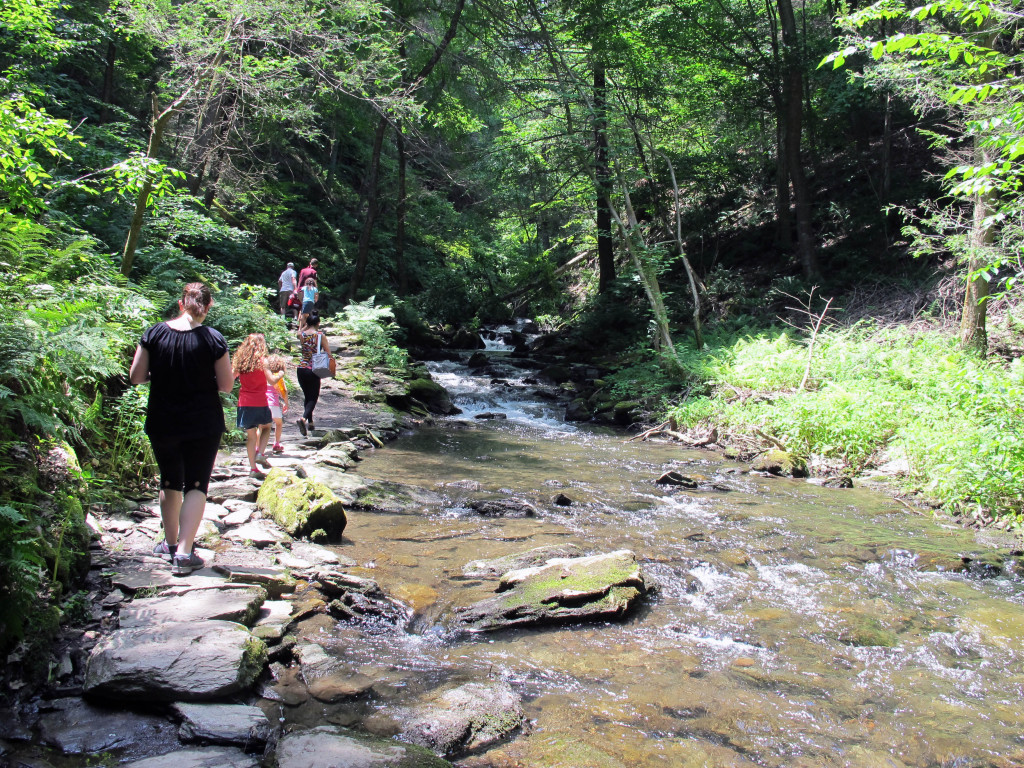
<point>321,363</point>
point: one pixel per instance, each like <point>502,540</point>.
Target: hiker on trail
<point>309,296</point>
<point>277,398</point>
<point>286,284</point>
<point>308,272</point>
<point>310,338</point>
<point>187,365</point>
<point>250,368</point>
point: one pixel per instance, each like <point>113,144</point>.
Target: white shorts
<point>276,412</point>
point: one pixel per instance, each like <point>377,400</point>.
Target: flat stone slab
<point>157,578</point>
<point>319,555</point>
<point>605,586</point>
<point>396,498</point>
<point>328,746</point>
<point>276,581</point>
<point>463,718</point>
<point>239,724</point>
<point>241,488</point>
<point>274,612</point>
<point>492,569</point>
<point>257,533</point>
<point>192,661</point>
<point>79,728</point>
<point>241,604</point>
<point>207,757</point>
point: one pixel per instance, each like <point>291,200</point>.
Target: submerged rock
<point>397,498</point>
<point>301,505</point>
<point>509,507</point>
<point>192,661</point>
<point>329,746</point>
<point>204,757</point>
<point>606,586</point>
<point>463,718</point>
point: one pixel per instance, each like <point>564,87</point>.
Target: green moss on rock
<point>301,505</point>
<point>779,462</point>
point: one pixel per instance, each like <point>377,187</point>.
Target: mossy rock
<point>627,411</point>
<point>432,395</point>
<point>301,505</point>
<point>782,463</point>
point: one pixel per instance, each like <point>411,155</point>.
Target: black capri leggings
<point>185,464</point>
<point>310,384</point>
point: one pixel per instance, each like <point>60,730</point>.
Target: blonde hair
<point>251,354</point>
<point>277,363</point>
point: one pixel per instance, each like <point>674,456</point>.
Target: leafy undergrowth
<point>875,395</point>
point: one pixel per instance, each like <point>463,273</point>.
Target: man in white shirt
<point>286,287</point>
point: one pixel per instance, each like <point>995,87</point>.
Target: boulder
<point>485,569</point>
<point>78,728</point>
<point>554,374</point>
<point>346,485</point>
<point>578,410</point>
<point>206,757</point>
<point>301,505</point>
<point>507,507</point>
<point>677,478</point>
<point>478,360</point>
<point>466,339</point>
<point>191,661</point>
<point>433,396</point>
<point>627,411</point>
<point>239,724</point>
<point>240,604</point>
<point>329,746</point>
<point>606,586</point>
<point>778,462</point>
<point>462,718</point>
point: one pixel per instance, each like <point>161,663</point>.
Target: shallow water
<point>792,625</point>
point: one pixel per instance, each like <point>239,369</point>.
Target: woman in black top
<point>187,365</point>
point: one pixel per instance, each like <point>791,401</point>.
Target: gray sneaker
<point>183,565</point>
<point>163,550</point>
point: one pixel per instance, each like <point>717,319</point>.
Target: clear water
<point>792,625</point>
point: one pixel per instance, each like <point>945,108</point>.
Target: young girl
<point>250,368</point>
<point>309,296</point>
<point>277,397</point>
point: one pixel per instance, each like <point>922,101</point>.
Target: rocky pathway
<point>199,671</point>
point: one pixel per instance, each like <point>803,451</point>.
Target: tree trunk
<point>792,85</point>
<point>363,250</point>
<point>973,334</point>
<point>403,273</point>
<point>602,175</point>
<point>107,96</point>
<point>783,226</point>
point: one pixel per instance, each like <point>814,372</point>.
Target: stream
<point>793,625</point>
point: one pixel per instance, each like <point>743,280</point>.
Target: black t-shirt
<point>183,396</point>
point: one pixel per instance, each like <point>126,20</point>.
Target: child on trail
<point>277,397</point>
<point>309,296</point>
<point>249,365</point>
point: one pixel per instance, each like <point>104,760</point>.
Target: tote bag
<point>321,361</point>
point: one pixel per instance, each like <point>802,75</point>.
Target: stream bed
<point>792,625</point>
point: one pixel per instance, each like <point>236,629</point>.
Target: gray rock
<point>206,757</point>
<point>483,569</point>
<point>578,410</point>
<point>155,579</point>
<point>606,586</point>
<point>463,718</point>
<point>360,599</point>
<point>276,581</point>
<point>345,485</point>
<point>240,488</point>
<point>508,507</point>
<point>241,604</point>
<point>239,724</point>
<point>676,478</point>
<point>396,498</point>
<point>192,661</point>
<point>78,728</point>
<point>328,746</point>
<point>342,455</point>
<point>258,533</point>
